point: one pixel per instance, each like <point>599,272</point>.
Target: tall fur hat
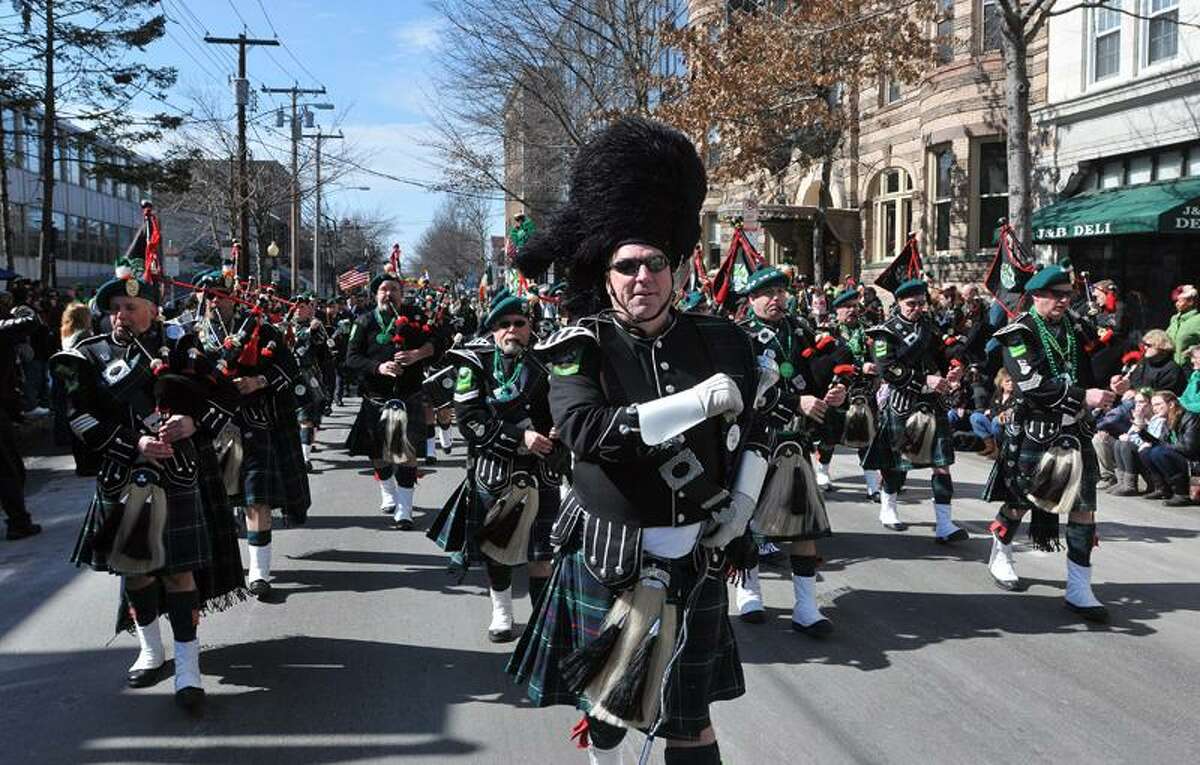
<point>636,181</point>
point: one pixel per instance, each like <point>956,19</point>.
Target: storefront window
<point>993,191</point>
<point>1170,165</point>
<point>943,161</point>
<point>1162,30</point>
<point>1106,46</point>
<point>1141,170</point>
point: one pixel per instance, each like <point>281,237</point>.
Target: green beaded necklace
<point>1056,354</point>
<point>506,388</point>
<point>787,370</point>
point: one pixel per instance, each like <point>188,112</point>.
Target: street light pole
<point>317,212</point>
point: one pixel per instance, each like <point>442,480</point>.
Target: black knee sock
<point>602,735</point>
<point>537,585</point>
<point>693,755</point>
<point>893,480</point>
<point>307,435</point>
<point>499,576</point>
<point>258,538</point>
<point>385,472</point>
<point>143,603</point>
<point>1005,528</point>
<point>825,455</point>
<point>943,488</point>
<point>803,565</point>
<point>182,610</point>
<point>406,476</point>
<point>1081,538</point>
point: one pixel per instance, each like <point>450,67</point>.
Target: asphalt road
<point>371,655</point>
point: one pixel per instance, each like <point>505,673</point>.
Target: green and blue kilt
<point>456,527</point>
<point>273,472</point>
<point>311,405</point>
<point>885,452</point>
<point>570,614</point>
<point>366,435</point>
<point>185,535</point>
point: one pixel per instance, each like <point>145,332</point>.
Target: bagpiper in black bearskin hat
<point>635,182</point>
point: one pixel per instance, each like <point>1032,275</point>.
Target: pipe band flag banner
<point>907,265</point>
<point>145,249</point>
<point>1009,271</point>
<point>741,261</point>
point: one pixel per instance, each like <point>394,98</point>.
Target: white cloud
<point>419,34</point>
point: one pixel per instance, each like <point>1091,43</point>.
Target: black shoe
<point>1160,492</point>
<point>191,699</point>
<point>818,629</point>
<point>1097,614</point>
<point>340,402</point>
<point>388,509</point>
<point>959,535</point>
<point>873,496</point>
<point>1008,586</point>
<point>21,532</point>
<point>1179,500</point>
<point>753,617</point>
<point>431,460</point>
<point>403,524</point>
<point>308,467</point>
<point>144,678</point>
<point>901,526</point>
<point>260,588</point>
<point>501,636</point>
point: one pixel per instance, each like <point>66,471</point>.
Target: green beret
<point>911,287</point>
<point>1049,276</point>
<point>503,304</point>
<point>129,287</point>
<point>386,276</point>
<point>763,278</point>
<point>845,296</point>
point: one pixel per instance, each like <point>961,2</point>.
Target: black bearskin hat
<point>636,181</point>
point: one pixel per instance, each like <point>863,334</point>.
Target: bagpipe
<point>403,332</point>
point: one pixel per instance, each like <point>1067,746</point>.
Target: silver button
<point>664,366</point>
<point>680,517</point>
<point>669,388</point>
<point>679,494</point>
<point>658,343</point>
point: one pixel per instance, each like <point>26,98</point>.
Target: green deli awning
<point>1166,207</point>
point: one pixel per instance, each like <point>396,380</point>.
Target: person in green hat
<point>1048,465</point>
<point>791,508</point>
<point>311,346</point>
<point>148,403</point>
<point>502,514</point>
<point>914,431</point>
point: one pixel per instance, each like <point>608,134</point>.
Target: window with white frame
<point>944,31</point>
<point>1162,30</point>
<point>943,190</point>
<point>892,91</point>
<point>892,213</point>
<point>1106,40</point>
<point>993,190</point>
<point>990,25</point>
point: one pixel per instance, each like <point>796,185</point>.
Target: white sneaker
<point>501,628</point>
<point>747,598</point>
<point>1000,565</point>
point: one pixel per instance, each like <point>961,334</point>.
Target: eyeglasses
<point>630,266</point>
<point>512,324</point>
<point>1055,295</point>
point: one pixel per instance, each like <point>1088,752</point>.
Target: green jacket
<point>1184,331</point>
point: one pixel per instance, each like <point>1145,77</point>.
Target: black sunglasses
<point>630,266</point>
<point>513,324</point>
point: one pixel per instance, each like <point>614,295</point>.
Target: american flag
<point>353,279</point>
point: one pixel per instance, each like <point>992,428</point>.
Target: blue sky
<point>374,58</point>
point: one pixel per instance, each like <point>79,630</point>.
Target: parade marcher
<point>13,330</point>
<point>914,431</point>
<point>310,345</point>
<point>146,399</point>
<point>1048,465</point>
<point>503,512</point>
<point>666,470</point>
<point>861,407</point>
<point>791,508</point>
<point>268,469</point>
<point>388,348</point>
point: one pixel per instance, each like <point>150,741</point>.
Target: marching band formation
<point>634,454</point>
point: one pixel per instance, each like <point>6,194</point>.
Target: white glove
<point>731,522</point>
<point>664,418</point>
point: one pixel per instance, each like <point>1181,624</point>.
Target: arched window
<point>892,213</point>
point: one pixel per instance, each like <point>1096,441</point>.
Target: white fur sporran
<point>1055,483</point>
<point>920,429</point>
<point>505,538</point>
<point>144,507</point>
<point>393,421</point>
<point>229,457</point>
<point>791,473</point>
<point>859,430</point>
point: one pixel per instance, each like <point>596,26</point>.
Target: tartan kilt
<point>273,472</point>
<point>884,453</point>
<point>1014,470</point>
<point>366,435</point>
<point>185,535</point>
<point>570,614</point>
<point>311,406</point>
<point>457,526</point>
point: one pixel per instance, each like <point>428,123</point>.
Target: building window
<point>993,190</point>
<point>1162,30</point>
<point>891,91</point>
<point>892,213</point>
<point>991,29</point>
<point>943,162</point>
<point>1169,166</point>
<point>944,31</point>
<point>714,241</point>
<point>10,135</point>
<point>33,145</point>
<point>1106,45</point>
<point>1141,170</point>
<point>1112,174</point>
<point>1193,163</point>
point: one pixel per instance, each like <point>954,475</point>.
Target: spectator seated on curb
<point>1156,369</point>
<point>1168,457</point>
<point>1125,448</point>
<point>989,423</point>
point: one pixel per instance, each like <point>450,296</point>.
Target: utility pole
<point>46,243</point>
<point>242,95</point>
<point>317,212</point>
<point>294,222</point>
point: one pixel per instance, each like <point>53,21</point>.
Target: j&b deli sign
<point>1074,231</point>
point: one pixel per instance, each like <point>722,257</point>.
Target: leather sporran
<point>138,525</point>
<point>505,534</point>
<point>229,456</point>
